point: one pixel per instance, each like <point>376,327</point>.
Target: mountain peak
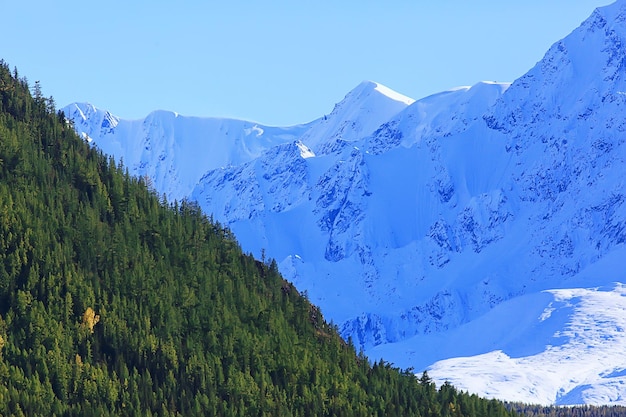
<point>89,119</point>
<point>367,87</point>
<point>364,109</point>
<point>584,70</point>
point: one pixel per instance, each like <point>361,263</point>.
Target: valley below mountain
<point>477,233</point>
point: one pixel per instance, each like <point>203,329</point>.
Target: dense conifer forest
<point>116,302</point>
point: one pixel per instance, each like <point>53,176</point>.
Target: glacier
<point>477,233</point>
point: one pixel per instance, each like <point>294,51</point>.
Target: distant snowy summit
<point>176,151</point>
<point>496,210</point>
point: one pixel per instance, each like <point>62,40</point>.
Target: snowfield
<point>555,347</point>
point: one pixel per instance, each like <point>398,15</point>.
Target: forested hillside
<point>115,302</point>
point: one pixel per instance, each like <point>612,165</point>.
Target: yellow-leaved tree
<point>90,318</point>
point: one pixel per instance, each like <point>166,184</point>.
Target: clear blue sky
<point>274,62</point>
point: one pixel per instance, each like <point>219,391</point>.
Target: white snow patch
<point>254,129</point>
<point>305,152</point>
<point>394,95</point>
<point>86,137</point>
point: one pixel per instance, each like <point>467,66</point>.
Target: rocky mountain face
<point>482,223</point>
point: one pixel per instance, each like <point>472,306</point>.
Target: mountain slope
<point>114,303</point>
<point>575,350</point>
<point>410,221</point>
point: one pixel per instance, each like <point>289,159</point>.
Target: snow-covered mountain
<point>478,232</point>
<point>174,151</point>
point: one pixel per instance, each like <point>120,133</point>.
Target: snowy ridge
<point>438,115</point>
<point>394,95</point>
<point>495,210</point>
<point>173,150</point>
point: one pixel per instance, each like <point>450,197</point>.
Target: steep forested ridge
<point>115,302</point>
